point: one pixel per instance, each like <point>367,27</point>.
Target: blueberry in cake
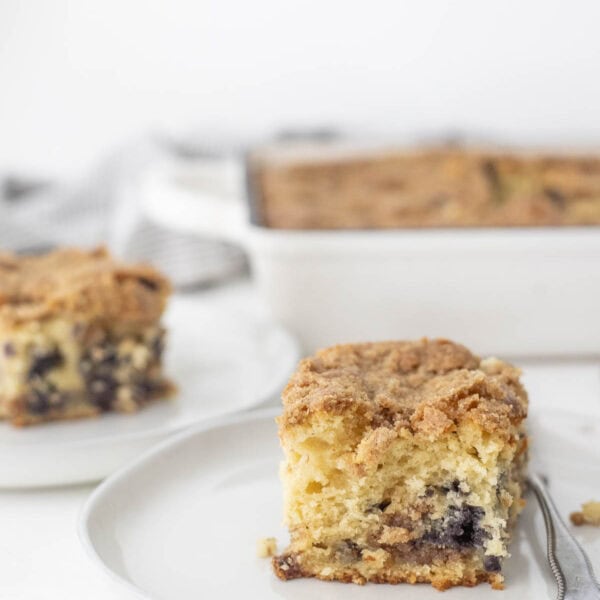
<point>404,462</point>
<point>80,334</point>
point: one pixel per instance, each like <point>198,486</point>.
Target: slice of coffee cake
<point>79,335</point>
<point>404,462</point>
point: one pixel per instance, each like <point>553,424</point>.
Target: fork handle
<point>570,565</point>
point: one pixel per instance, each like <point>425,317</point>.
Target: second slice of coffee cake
<point>404,462</point>
<point>80,334</point>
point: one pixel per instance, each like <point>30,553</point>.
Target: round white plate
<point>183,521</point>
<point>221,362</point>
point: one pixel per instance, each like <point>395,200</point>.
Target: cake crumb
<point>589,514</point>
<point>266,547</point>
<point>384,447</point>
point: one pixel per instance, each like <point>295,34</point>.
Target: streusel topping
<point>333,187</point>
<point>91,284</point>
<point>425,385</point>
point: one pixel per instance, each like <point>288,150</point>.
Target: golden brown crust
<point>427,386</point>
<point>87,283</point>
<point>427,188</point>
<point>287,567</point>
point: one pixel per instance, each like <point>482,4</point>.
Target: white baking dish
<point>503,291</point>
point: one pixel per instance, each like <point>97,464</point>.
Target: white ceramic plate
<point>222,363</point>
<point>183,521</point>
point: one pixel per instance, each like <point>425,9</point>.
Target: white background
<point>79,77</point>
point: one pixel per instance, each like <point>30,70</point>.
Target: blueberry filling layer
<point>109,370</point>
<point>420,551</point>
<point>97,368</point>
<point>459,532</point>
<point>459,528</point>
<point>44,397</point>
<point>44,361</point>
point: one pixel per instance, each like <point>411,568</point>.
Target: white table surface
<point>40,553</point>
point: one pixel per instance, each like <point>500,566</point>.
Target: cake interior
<point>387,505</point>
<point>61,368</point>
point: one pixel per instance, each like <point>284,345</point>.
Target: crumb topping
<point>427,386</point>
<point>426,187</point>
<point>266,547</point>
<point>589,514</point>
<point>87,283</point>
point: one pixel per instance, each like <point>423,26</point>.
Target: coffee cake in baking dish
<point>439,187</point>
<point>80,334</point>
<point>404,462</point>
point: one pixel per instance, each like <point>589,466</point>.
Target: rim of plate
<point>275,384</point>
<point>140,462</point>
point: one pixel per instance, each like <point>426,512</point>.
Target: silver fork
<point>570,565</point>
